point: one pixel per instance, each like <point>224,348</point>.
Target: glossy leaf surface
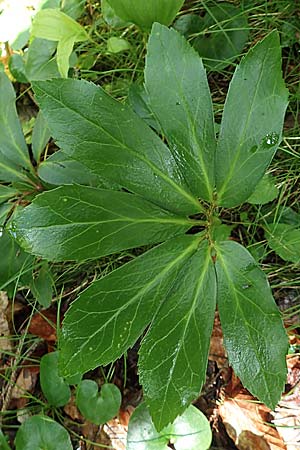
<point>80,222</point>
<point>98,407</point>
<point>42,433</point>
<point>190,431</point>
<point>252,122</point>
<point>111,314</point>
<point>111,140</point>
<point>254,335</point>
<point>180,99</point>
<point>285,241</point>
<point>173,355</point>
<point>54,387</point>
<point>144,14</point>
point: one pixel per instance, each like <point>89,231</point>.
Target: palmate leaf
<point>111,314</point>
<point>172,288</point>
<point>173,356</point>
<point>112,141</point>
<point>252,122</point>
<point>254,336</point>
<point>81,222</point>
<point>181,102</point>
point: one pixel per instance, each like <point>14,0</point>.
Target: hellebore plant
<point>169,192</point>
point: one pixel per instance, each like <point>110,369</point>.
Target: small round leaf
<point>190,431</point>
<point>54,387</point>
<point>42,433</point>
<point>98,407</point>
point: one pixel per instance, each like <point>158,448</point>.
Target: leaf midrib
<point>151,165</point>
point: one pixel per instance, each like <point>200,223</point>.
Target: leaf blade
<point>171,371</point>
<point>254,336</point>
<point>81,222</point>
<point>181,101</point>
<point>95,130</point>
<point>248,140</point>
<point>119,306</point>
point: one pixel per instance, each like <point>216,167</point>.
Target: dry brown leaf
<point>43,324</point>
<point>72,411</point>
<point>26,382</point>
<point>117,434</point>
<point>5,341</point>
<point>246,421</point>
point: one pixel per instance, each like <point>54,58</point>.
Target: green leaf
<point>41,62</point>
<point>173,356</point>
<point>42,286</point>
<point>101,407</point>
<point>117,45</point>
<point>139,101</point>
<point>13,148</point>
<point>3,442</point>
<point>17,67</point>
<point>254,335</point>
<point>190,431</point>
<point>248,139</point>
<point>113,142</point>
<point>55,25</point>
<point>4,211</point>
<point>73,8</point>
<point>285,241</point>
<point>111,17</point>
<point>265,191</point>
<point>6,193</point>
<point>14,265</point>
<point>112,313</point>
<point>181,102</point>
<point>80,222</point>
<point>60,169</point>
<point>42,433</point>
<point>54,387</point>
<point>144,14</point>
<point>219,36</point>
<point>40,136</point>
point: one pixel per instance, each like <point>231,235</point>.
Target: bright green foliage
<point>42,433</point>
<point>172,288</point>
<point>144,14</point>
<point>40,136</point>
<point>55,25</point>
<point>191,431</point>
<point>54,387</point>
<point>98,407</point>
